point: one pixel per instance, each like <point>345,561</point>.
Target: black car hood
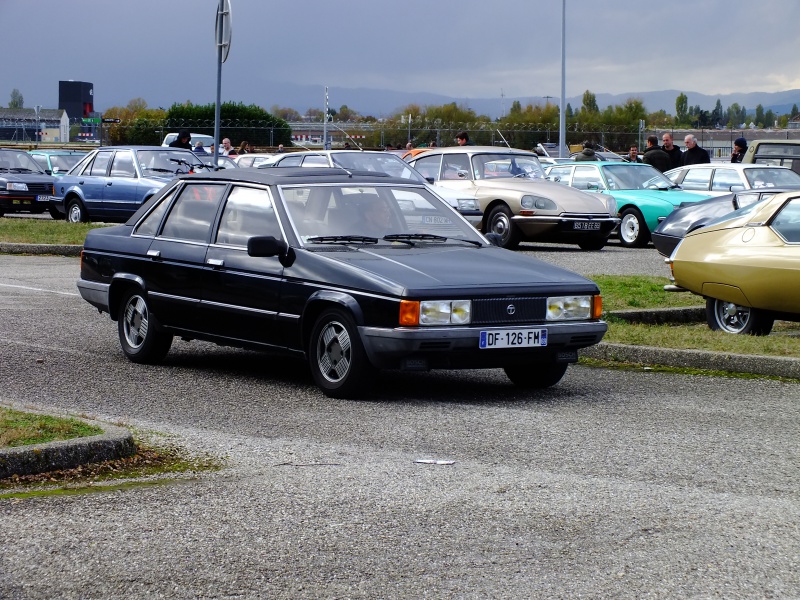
<point>25,177</point>
<point>417,269</point>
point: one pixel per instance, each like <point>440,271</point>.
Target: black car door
<point>175,264</point>
<point>242,293</point>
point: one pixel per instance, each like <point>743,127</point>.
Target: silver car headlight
<point>529,202</point>
<point>611,204</point>
<point>468,204</point>
<point>16,187</point>
<point>566,308</point>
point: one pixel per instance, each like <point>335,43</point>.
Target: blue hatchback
<point>112,182</point>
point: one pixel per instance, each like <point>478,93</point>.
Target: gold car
<point>746,264</point>
<point>518,203</point>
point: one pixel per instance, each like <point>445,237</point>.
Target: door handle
<point>154,253</point>
<point>215,262</point>
<point>109,182</point>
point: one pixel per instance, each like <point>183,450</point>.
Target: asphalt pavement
<point>623,484</point>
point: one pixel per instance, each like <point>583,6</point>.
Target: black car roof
<point>300,175</point>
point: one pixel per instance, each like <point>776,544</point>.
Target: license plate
<point>586,225</point>
<point>513,338</point>
<point>429,220</point>
<point>45,198</point>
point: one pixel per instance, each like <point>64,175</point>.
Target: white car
<point>717,179</point>
<point>208,140</point>
<point>254,159</point>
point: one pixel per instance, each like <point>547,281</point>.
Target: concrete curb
<point>53,249</point>
<point>659,316</point>
<point>115,442</point>
<point>775,366</point>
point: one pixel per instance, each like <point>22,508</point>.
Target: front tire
<point>140,333</point>
<point>633,232</point>
<point>500,223</point>
<point>536,376</point>
<point>595,244</point>
<point>76,211</point>
<point>337,358</point>
<point>55,214</point>
<point>732,318</point>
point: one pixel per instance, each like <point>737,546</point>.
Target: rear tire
<point>140,334</point>
<point>732,318</point>
<point>76,211</point>
<point>337,358</point>
<point>500,222</point>
<point>536,376</point>
<point>633,232</point>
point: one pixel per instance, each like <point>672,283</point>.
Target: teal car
<point>56,162</point>
<point>644,196</point>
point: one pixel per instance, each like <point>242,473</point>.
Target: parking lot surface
<point>617,484</point>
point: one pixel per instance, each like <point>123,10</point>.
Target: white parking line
<point>25,287</point>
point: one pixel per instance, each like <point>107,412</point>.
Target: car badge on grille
<point>511,309</point>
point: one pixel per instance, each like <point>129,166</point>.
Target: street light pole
<point>562,113</point>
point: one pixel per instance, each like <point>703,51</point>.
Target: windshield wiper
<point>409,238</point>
<point>342,239</point>
<point>158,170</point>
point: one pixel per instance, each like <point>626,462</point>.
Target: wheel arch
<point>489,208</point>
<point>322,300</point>
<point>119,285</point>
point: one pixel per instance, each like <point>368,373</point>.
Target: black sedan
<point>24,186</point>
<point>690,216</point>
<point>354,272</point>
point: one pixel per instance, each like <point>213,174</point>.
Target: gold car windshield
<point>493,166</point>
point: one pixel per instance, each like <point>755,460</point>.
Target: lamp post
<point>37,108</point>
<point>562,116</point>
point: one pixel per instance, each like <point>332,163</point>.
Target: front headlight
<point>566,308</point>
<point>529,202</point>
<point>468,204</point>
<point>16,187</point>
<point>435,312</point>
<point>611,204</point>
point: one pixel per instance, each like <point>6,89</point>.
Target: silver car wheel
<point>629,228</point>
<point>334,352</point>
<point>75,212</point>
<point>136,321</point>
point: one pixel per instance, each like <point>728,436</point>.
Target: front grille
<point>40,188</point>
<point>497,311</point>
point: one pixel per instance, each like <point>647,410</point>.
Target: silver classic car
<point>518,203</point>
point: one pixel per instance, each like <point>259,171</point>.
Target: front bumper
<point>457,347</point>
<point>573,226</point>
<point>12,201</point>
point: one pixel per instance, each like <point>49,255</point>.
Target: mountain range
<point>383,103</point>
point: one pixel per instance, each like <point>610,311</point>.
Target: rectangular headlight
<point>435,312</point>
<point>468,204</point>
<point>566,308</point>
<point>16,187</point>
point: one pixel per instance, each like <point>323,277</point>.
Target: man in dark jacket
<point>694,154</point>
<point>587,153</point>
<point>183,140</point>
<point>674,153</point>
<point>655,156</point>
<point>739,149</point>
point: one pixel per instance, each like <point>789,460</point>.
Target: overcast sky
<point>163,50</point>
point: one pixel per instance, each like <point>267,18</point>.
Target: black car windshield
<point>18,162</point>
<point>323,214</point>
<point>493,166</point>
<point>155,162</point>
<point>382,162</point>
<point>635,177</point>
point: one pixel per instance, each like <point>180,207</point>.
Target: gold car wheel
<point>732,318</point>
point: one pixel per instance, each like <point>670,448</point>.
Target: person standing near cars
<point>654,155</point>
<point>694,154</point>
<point>674,153</point>
<point>587,153</point>
<point>227,149</point>
<point>184,140</point>
<point>463,139</point>
<point>739,148</point>
<point>633,155</point>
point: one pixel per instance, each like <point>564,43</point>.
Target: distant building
<point>794,123</point>
<point>77,98</point>
<point>20,125</point>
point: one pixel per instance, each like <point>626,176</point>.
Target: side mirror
<point>462,174</point>
<point>267,246</point>
<point>430,180</point>
<point>592,186</point>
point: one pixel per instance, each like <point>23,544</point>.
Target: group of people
<point>668,156</point>
<point>184,140</point>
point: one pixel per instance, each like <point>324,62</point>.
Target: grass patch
<point>624,292</point>
<point>21,428</point>
<point>44,231</point>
